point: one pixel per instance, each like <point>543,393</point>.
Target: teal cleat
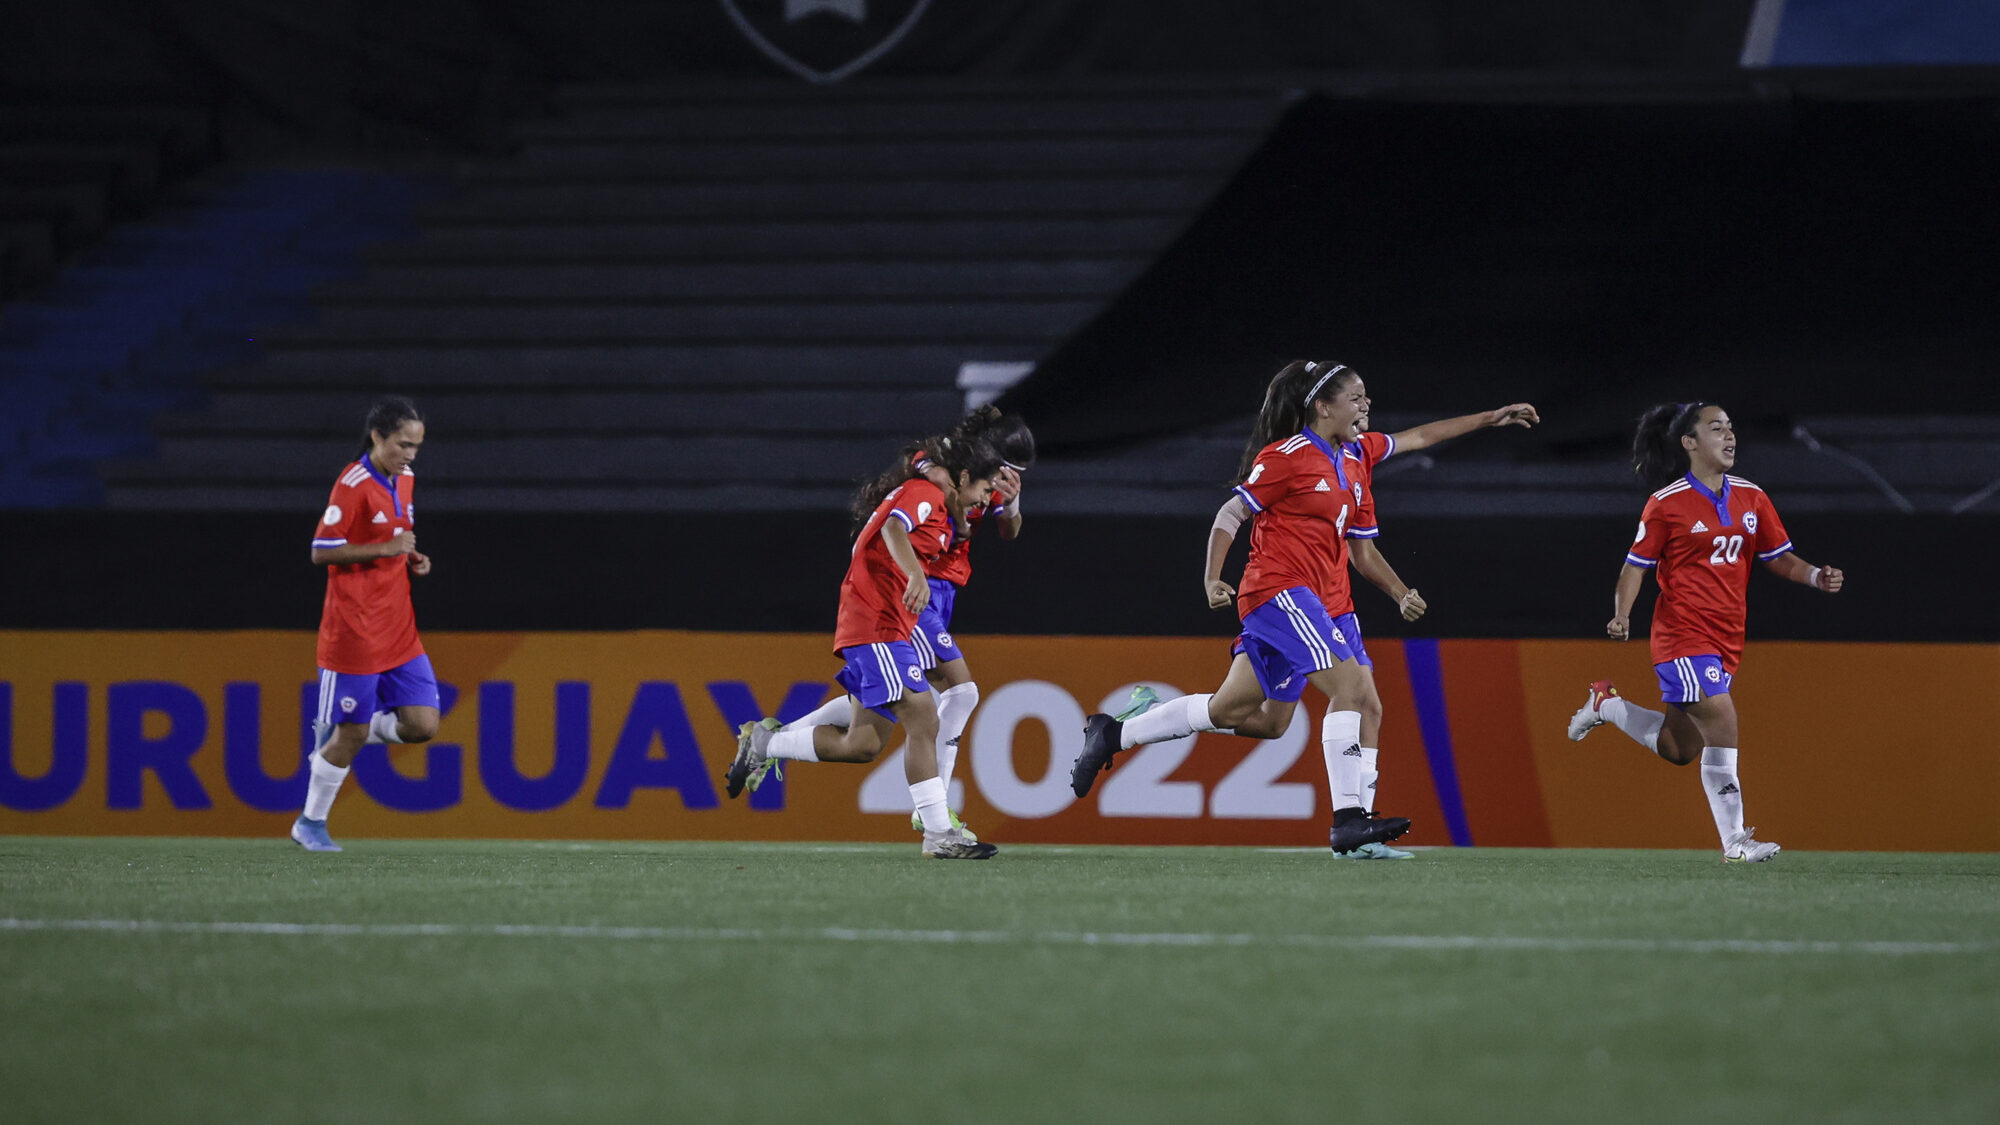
<point>1376,851</point>
<point>311,835</point>
<point>1144,699</point>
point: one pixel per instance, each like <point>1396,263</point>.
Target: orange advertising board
<point>625,735</point>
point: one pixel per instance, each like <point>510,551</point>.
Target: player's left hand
<point>1831,579</point>
<point>1007,484</point>
<point>1519,414</point>
<point>1412,605</point>
<point>420,563</point>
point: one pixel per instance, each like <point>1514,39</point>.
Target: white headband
<point>1314,393</point>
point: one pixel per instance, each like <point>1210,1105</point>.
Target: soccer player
<point>1295,478</point>
<point>1360,457</point>
<point>909,521</point>
<point>1697,533</point>
<point>375,683</point>
<point>938,653</point>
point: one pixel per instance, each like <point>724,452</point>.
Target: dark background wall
<point>1909,578</point>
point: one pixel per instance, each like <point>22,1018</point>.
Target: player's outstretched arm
<point>1443,430</point>
<point>1221,536</point>
<point>1368,562</point>
<point>1622,597</point>
<point>1792,568</point>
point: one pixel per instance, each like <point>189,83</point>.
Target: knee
<point>417,730</point>
<point>1258,725</point>
<point>1234,716</point>
<point>863,743</point>
<point>1371,709</point>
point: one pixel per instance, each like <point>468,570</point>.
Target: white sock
<point>325,782</point>
<point>955,706</point>
<point>793,744</point>
<point>835,712</point>
<point>1176,718</point>
<point>1368,776</point>
<point>928,796</point>
<point>1643,725</point>
<point>1725,794</point>
<point>1340,742</point>
<point>382,728</point>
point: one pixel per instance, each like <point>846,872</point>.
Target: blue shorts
<point>1691,679</point>
<point>932,637</point>
<point>355,699</point>
<point>881,674</point>
<point>1290,637</point>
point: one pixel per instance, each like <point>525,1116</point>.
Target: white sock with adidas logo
<point>954,706</point>
<point>1725,793</point>
<point>1340,742</point>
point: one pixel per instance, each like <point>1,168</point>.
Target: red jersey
<point>367,624</point>
<point>1702,542</point>
<point>871,596</point>
<point>1359,458</point>
<point>1303,499</point>
<point>955,565</point>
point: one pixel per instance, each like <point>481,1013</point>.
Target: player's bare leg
<point>957,697</point>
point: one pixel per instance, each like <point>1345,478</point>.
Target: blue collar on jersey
<point>1719,499</point>
<point>1332,454</point>
<point>395,500</point>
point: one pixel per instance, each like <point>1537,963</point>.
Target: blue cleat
<point>1376,851</point>
<point>311,835</point>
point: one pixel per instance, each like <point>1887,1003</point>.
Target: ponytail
<point>1288,404</point>
<point>1007,433</point>
<point>1658,459</point>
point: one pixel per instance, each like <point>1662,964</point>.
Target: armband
<point>1230,516</point>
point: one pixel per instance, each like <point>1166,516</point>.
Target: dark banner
<point>1136,576</point>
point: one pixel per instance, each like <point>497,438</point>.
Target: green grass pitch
<point>416,981</point>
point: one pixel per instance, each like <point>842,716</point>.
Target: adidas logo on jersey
<point>1322,486</point>
<point>379,518</point>
<point>1698,527</point>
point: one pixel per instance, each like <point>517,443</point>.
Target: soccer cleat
<point>1361,827</point>
<point>311,835</point>
<point>1587,716</point>
<point>752,761</point>
<point>953,844</point>
<point>917,825</point>
<point>1377,851</point>
<point>1144,699</point>
<point>1747,849</point>
<point>1100,741</point>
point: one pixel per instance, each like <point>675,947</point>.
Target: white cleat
<point>952,844</point>
<point>1746,848</point>
<point>1588,716</point>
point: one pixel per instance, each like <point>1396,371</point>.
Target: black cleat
<point>1357,826</point>
<point>1100,741</point>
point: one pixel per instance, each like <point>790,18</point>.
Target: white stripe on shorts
<point>887,663</point>
<point>1303,626</point>
<point>1690,691</point>
<point>926,655</point>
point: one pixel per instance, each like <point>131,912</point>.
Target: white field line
<point>1423,942</point>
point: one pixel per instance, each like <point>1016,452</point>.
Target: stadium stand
<point>678,298</point>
